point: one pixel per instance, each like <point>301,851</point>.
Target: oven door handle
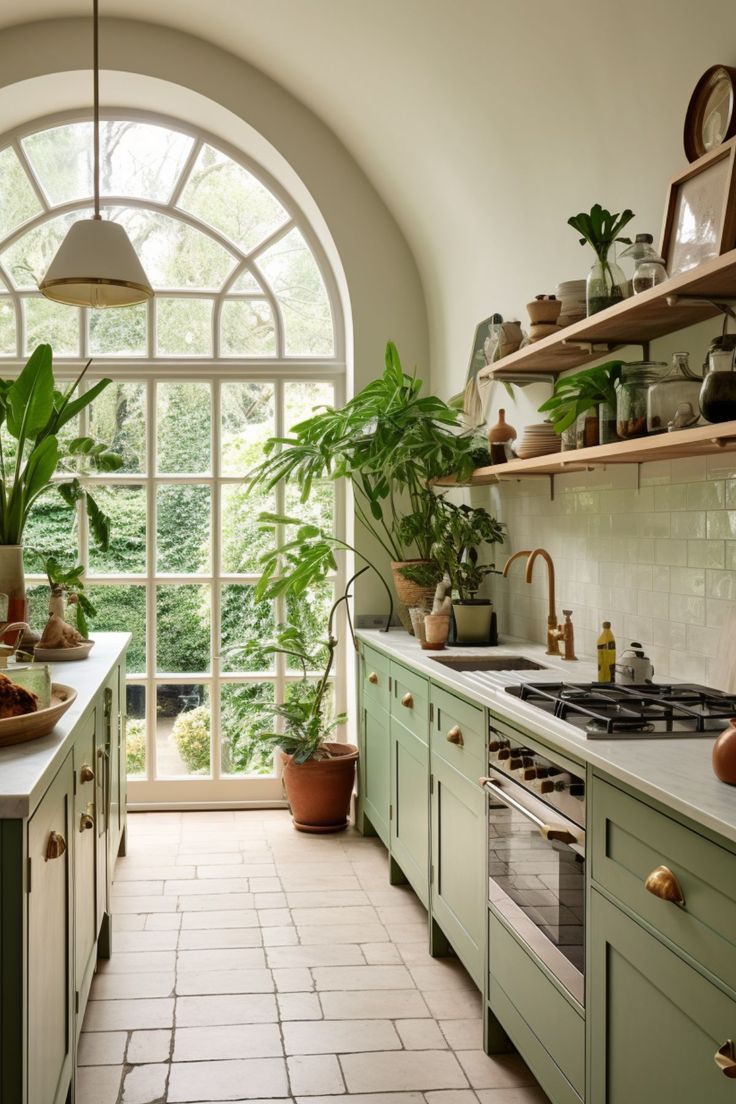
<point>549,831</point>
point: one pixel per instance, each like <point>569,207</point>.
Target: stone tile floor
<point>252,963</point>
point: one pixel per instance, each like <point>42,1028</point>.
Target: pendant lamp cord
<point>96,95</point>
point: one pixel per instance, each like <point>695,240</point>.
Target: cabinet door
<point>375,774</point>
<point>85,848</point>
<point>102,798</point>
<point>656,1023</point>
<point>458,872</point>
<point>111,710</point>
<point>50,981</point>
<point>410,807</point>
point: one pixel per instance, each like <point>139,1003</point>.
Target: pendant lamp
<point>96,265</point>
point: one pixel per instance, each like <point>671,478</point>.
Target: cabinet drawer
<point>410,701</point>
<point>458,734</point>
<point>375,679</point>
<point>630,840</point>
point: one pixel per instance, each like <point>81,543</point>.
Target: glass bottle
<point>631,396</point>
<point>606,283</point>
<point>718,393</point>
<point>674,401</point>
<point>649,267</point>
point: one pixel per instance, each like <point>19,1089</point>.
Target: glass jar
<point>718,393</point>
<point>649,267</point>
<point>631,396</point>
<point>606,423</point>
<point>586,429</point>
<point>674,401</point>
<point>606,283</point>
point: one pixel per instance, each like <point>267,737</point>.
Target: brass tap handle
<point>408,701</point>
<point>725,1059</point>
<point>663,884</point>
<point>455,736</point>
<point>55,847</point>
<point>86,822</point>
<point>86,774</point>
<point>373,677</point>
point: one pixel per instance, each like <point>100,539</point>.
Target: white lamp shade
<point>96,266</point>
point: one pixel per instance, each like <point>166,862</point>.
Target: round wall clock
<point>711,113</point>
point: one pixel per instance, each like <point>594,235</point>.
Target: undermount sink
<point>488,663</point>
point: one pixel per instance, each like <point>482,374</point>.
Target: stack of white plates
<point>538,440</point>
<point>572,295</point>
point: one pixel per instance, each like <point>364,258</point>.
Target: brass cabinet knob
<point>408,701</point>
<point>86,774</point>
<point>725,1059</point>
<point>86,822</point>
<point>55,847</point>
<point>663,883</point>
<point>373,677</point>
<point>455,736</point>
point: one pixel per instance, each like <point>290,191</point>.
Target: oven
<point>536,853</point>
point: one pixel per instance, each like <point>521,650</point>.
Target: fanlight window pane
<point>122,609</point>
<point>183,529</point>
<point>228,197</point>
<point>183,327</point>
<point>182,730</point>
<point>120,332</point>
<point>27,260</point>
<point>247,282</point>
<point>173,254</point>
<point>7,328</point>
<point>247,423</point>
<point>247,328</point>
<point>184,428</point>
<point>135,730</point>
<point>292,272</point>
<point>138,159</point>
<point>243,542</point>
<point>54,323</point>
<point>118,415</point>
<point>243,619</point>
<point>243,714</point>
<point>126,507</point>
<point>18,201</point>
<point>184,615</point>
<point>61,158</point>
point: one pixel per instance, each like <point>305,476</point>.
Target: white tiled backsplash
<point>658,561</point>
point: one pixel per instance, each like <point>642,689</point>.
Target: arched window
<point>242,339</point>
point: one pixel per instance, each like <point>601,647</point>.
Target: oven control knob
<point>577,789</point>
<point>504,753</point>
<point>547,787</point>
<point>516,764</point>
<point>530,773</point>
<point>494,745</point>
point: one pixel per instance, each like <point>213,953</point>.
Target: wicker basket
<point>409,593</point>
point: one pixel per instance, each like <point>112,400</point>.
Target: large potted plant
<point>34,453</point>
<point>459,534</point>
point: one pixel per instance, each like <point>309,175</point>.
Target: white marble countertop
<point>27,769</point>
<point>675,772</point>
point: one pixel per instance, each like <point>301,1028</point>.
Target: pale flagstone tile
<point>347,954</point>
<point>416,954</point>
<point>141,872</point>
<point>149,1046</point>
<point>240,1008</point>
<point>270,901</point>
<point>391,896</point>
<point>530,1094</point>
<point>344,933</point>
<point>274,918</point>
<point>101,1048</point>
<point>407,933</point>
<point>463,1034</point>
<point>442,974</point>
<point>228,958</point>
<point>261,884</point>
<point>299,1006</point>
<point>308,880</point>
<point>218,918</point>
<point>338,1036</point>
<point>364,1098</point>
<point>380,954</point>
<point>145,1084</point>
<point>226,1080</point>
<point>144,941</point>
<point>214,902</point>
<point>195,1044</point>
<point>452,1096</point>
<point>128,1015</point>
<point>401,914</point>
<point>136,962</point>
<point>163,922</point>
<point>130,986</point>
<point>421,1035</point>
<point>206,885</point>
<point>204,938</point>
<point>285,936</point>
<point>312,1074</point>
<point>307,898</point>
<point>219,859</point>
<point>349,914</point>
<point>382,1004</point>
<point>455,1004</point>
<point>98,1084</point>
<point>137,888</point>
<point>144,904</point>
<point>362,977</point>
<point>503,1071</point>
<point>293,980</point>
<point>393,1071</point>
<point>209,854</point>
<point>128,923</point>
<point>195,982</point>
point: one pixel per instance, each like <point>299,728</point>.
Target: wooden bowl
<point>64,655</point>
<point>31,726</point>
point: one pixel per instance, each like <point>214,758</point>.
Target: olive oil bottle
<point>606,654</point>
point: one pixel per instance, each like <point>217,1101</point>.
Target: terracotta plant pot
<point>437,628</point>
<point>544,309</point>
<point>724,754</point>
<point>319,791</point>
<point>409,593</point>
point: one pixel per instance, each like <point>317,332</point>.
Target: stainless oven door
<point>536,877</point>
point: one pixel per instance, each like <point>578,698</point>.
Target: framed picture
<point>700,219</point>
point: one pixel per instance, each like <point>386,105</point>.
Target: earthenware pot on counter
<point>724,754</point>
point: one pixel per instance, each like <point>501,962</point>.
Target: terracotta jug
<point>500,437</point>
<point>724,754</point>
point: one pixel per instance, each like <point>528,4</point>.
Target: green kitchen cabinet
<point>410,807</point>
<point>375,774</point>
<point>656,1023</point>
<point>85,861</point>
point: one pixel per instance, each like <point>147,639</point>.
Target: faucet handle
<point>567,613</point>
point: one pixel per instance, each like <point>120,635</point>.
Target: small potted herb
<point>460,532</point>
<point>591,395</point>
<point>606,283</point>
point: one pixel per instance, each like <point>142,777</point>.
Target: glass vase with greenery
<point>606,282</point>
<point>590,391</point>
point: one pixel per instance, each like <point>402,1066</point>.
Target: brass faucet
<point>555,631</point>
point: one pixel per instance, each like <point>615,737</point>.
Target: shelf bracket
<point>723,303</point>
<point>524,378</point>
<point>592,347</point>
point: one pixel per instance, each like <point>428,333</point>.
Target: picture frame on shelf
<point>700,215</point>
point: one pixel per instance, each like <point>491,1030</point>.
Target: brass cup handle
<point>725,1059</point>
<point>408,701</point>
<point>373,677</point>
<point>663,884</point>
<point>86,822</point>
<point>86,774</point>
<point>455,736</point>
<point>55,847</point>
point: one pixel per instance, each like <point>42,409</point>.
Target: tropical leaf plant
<point>600,229</point>
<point>71,582</point>
<point>573,395</point>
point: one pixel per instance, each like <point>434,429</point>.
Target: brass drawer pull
<point>408,701</point>
<point>373,677</point>
<point>86,822</point>
<point>663,884</point>
<point>56,846</point>
<point>725,1059</point>
<point>86,774</point>
<point>455,736</point>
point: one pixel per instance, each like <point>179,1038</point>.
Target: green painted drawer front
<point>375,770</point>
<point>410,807</point>
<point>468,753</point>
<point>376,671</point>
<point>547,1013</point>
<point>549,1075</point>
<point>410,701</point>
<point>458,881</point>
<point>656,1023</point>
<point>631,839</point>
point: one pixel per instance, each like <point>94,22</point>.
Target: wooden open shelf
<point>701,441</point>
<point>640,319</point>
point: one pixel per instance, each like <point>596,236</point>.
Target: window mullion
<point>151,686</point>
<point>215,567</point>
